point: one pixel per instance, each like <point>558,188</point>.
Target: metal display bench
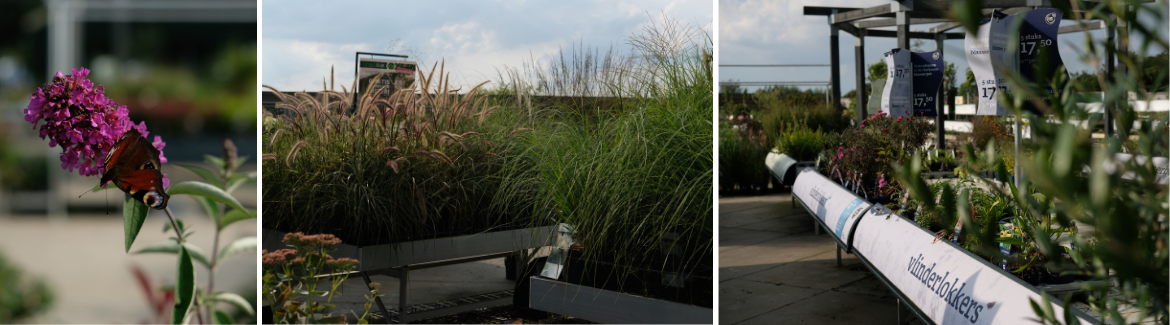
<point>902,300</point>
<point>611,307</point>
<point>398,259</point>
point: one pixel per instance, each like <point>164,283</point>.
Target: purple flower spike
<point>78,117</point>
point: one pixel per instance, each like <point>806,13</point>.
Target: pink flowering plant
<point>861,155</point>
<point>75,114</point>
<point>292,278</point>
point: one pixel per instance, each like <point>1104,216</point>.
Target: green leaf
<point>184,288</point>
<point>171,247</point>
<point>238,246</point>
<point>207,175</point>
<point>133,215</point>
<point>223,318</point>
<point>206,190</point>
<point>234,300</point>
<point>209,206</point>
<point>238,180</point>
<point>236,215</point>
<point>213,160</point>
<point>99,187</point>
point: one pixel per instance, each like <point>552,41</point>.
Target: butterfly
<point>132,165</point>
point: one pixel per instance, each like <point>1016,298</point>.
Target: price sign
<point>989,59</point>
<point>896,97</point>
<point>390,75</point>
<point>1039,59</point>
<point>928,75</point>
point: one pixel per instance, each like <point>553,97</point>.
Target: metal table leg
<point>403,282</point>
<point>378,299</point>
<point>900,316</point>
<point>838,255</point>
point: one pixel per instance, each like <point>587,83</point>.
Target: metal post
<point>1017,126</point>
<point>1110,42</point>
<point>859,61</point>
<point>838,255</point>
<point>816,228</point>
<point>403,282</point>
<point>835,68</point>
<point>941,118</point>
<point>901,318</point>
<point>903,21</point>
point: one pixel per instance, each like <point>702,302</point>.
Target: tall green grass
<point>629,183</point>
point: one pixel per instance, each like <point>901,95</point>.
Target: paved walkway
<point>773,270</point>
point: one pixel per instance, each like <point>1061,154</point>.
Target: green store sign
<point>385,65</point>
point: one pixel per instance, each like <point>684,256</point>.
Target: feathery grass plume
<point>421,163</point>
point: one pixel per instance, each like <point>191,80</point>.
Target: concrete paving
<point>774,270</point>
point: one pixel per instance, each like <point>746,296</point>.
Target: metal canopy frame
<point>903,13</point>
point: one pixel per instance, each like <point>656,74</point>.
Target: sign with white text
<point>928,75</point>
<point>390,76</point>
<point>1039,59</point>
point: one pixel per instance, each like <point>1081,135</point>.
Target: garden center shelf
<point>398,259</point>
<point>611,307</point>
<point>940,282</point>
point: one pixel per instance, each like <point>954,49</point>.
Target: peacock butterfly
<point>133,166</point>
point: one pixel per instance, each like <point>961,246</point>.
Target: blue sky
<point>777,32</point>
<point>302,39</point>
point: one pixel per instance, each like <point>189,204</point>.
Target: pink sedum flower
<point>77,116</point>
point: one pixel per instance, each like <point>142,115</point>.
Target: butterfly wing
<point>133,166</point>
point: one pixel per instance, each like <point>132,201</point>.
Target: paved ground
<point>773,270</point>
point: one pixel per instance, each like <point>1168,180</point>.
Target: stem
<point>174,225</point>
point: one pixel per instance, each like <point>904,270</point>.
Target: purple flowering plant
<point>864,153</point>
<point>75,114</point>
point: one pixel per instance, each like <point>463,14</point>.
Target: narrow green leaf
<point>223,318</point>
<point>238,246</point>
<point>1010,241</point>
<point>213,160</point>
<point>238,180</point>
<point>206,190</point>
<point>171,247</point>
<point>184,287</point>
<point>209,206</point>
<point>207,175</point>
<point>133,215</point>
<point>236,215</point>
<point>234,300</point>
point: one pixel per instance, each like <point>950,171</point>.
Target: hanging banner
<point>988,57</point>
<point>395,74</point>
<point>833,204</point>
<point>1039,57</point>
<point>896,97</point>
<point>928,75</point>
<point>947,283</point>
<point>874,105</point>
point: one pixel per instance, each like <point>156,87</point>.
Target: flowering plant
<point>78,116</point>
<point>73,112</point>
<point>297,271</point>
<point>863,154</point>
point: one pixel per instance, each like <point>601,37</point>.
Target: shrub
<point>800,143</point>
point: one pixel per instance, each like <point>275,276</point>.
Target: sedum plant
<point>78,117</point>
<point>292,278</point>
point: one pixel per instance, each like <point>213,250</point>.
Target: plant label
<point>560,252</point>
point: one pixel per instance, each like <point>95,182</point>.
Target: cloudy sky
<point>303,38</point>
<point>777,32</point>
